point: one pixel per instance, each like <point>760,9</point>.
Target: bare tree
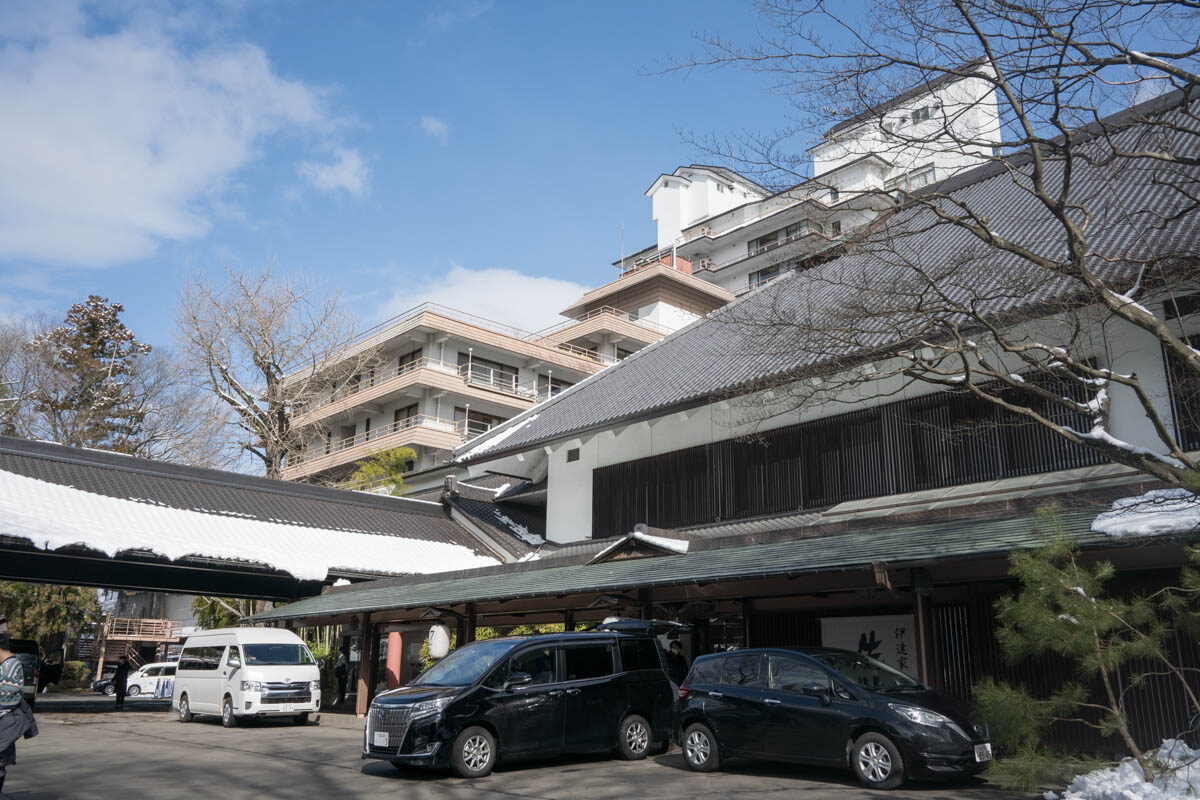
<point>148,410</point>
<point>1028,296</point>
<point>266,347</point>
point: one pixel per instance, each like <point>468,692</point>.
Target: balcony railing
<point>377,434</point>
<point>604,311</point>
<point>142,630</point>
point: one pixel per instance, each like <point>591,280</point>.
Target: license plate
<point>287,708</point>
<point>381,739</point>
<point>983,752</point>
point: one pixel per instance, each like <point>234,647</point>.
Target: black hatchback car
<point>527,697</point>
<point>826,707</point>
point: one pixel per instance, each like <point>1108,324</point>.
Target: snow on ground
<point>51,516</point>
<point>520,530</point>
<point>1177,771</point>
<point>1161,511</point>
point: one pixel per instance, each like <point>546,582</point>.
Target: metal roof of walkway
<point>910,544</point>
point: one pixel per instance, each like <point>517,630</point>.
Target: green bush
<point>75,675</point>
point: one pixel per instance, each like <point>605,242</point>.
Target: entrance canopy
<point>95,518</point>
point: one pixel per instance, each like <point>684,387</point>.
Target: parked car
<point>146,678</point>
<point>828,707</point>
<point>30,656</point>
<point>246,672</point>
<point>104,685</point>
<point>527,697</point>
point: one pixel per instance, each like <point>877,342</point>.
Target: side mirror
<point>818,690</point>
<point>517,680</point>
<point>234,664</point>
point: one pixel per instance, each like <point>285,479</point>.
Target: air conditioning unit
<point>705,263</point>
<point>705,231</point>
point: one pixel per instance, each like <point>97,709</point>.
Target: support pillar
<point>747,625</point>
<point>568,620</point>
<point>923,619</point>
<point>470,626</point>
<point>103,649</point>
<point>646,603</point>
<point>395,659</point>
<point>366,667</point>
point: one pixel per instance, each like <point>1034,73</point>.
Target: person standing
<point>677,665</point>
<point>341,671</point>
<point>16,718</point>
<point>119,680</point>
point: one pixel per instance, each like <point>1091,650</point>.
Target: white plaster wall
<point>667,315</point>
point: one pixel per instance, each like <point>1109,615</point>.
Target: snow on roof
<point>1162,511</point>
<point>52,515</point>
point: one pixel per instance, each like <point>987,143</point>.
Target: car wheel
<point>300,719</point>
<point>110,690</point>
<point>185,709</point>
<point>133,691</point>
<point>700,750</point>
<point>633,737</point>
<point>227,717</point>
<point>473,754</point>
<point>877,762</point>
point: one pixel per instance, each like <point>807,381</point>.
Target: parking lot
<point>147,754</point>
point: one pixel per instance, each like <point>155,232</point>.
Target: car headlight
<point>251,686</point>
<point>314,686</point>
<point>427,707</point>
<point>920,715</point>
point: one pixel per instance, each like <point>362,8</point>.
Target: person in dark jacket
<point>16,718</point>
<point>341,671</point>
<point>677,665</point>
<point>119,679</point>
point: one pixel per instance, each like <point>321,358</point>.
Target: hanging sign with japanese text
<point>889,639</point>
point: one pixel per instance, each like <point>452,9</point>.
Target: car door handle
<point>715,694</point>
<point>771,701</point>
<point>554,692</point>
<point>572,691</point>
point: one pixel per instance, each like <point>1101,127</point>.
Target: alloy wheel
<point>183,708</point>
<point>697,747</point>
<point>875,761</point>
<point>637,737</point>
<point>476,753</point>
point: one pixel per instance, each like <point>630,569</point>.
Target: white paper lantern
<point>439,641</point>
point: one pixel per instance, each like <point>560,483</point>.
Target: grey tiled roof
<point>726,352</point>
<point>895,546</point>
<point>230,494</point>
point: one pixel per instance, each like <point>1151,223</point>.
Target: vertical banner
<point>890,639</point>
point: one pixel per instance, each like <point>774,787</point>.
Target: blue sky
<point>483,155</point>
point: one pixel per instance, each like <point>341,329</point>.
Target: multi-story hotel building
<point>445,376</point>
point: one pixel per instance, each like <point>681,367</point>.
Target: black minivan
<point>527,697</point>
<point>823,706</point>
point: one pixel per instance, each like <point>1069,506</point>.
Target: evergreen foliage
<point>384,468</point>
<point>47,613</point>
<point>89,397</point>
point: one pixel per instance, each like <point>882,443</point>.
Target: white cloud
<point>437,128</point>
<point>451,14</point>
<point>120,135</point>
<point>347,172</point>
<point>528,302</point>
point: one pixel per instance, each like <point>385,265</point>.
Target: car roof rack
<point>629,625</point>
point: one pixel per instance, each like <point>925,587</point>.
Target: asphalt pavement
<point>148,754</point>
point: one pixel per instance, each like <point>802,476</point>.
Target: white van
<point>246,672</point>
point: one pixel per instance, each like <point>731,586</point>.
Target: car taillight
<point>683,691</point>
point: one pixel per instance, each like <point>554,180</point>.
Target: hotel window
<point>835,227</point>
<point>548,387</point>
<point>761,276</point>
<point>401,416</point>
<point>409,358</point>
<point>762,243</point>
<point>476,422</point>
<point>487,372</point>
<point>834,194</point>
<point>623,354</point>
<point>924,113</point>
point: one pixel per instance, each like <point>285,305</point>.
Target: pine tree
<point>87,395</point>
<point>46,612</point>
<point>384,468</point>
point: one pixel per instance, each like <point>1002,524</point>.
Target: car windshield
<point>467,664</point>
<point>867,672</point>
<point>259,655</point>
